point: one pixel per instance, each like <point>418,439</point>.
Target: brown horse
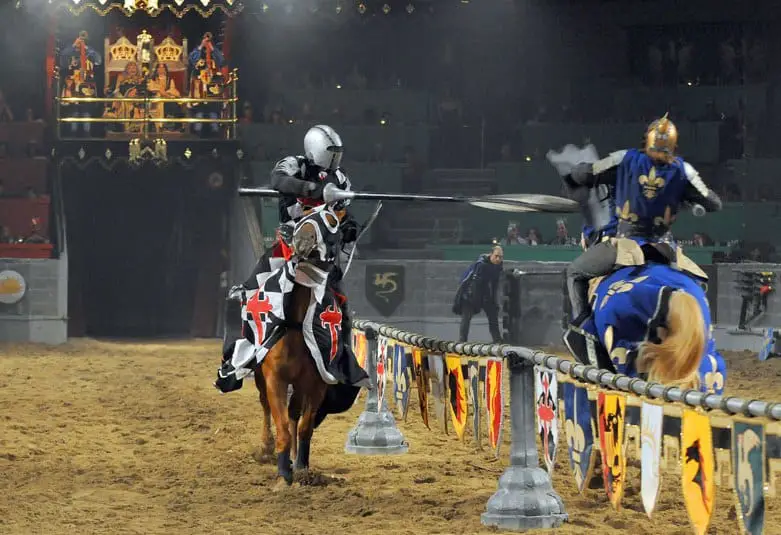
<point>289,363</point>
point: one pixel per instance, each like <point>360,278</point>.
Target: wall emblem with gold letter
<point>12,287</point>
<point>385,287</point>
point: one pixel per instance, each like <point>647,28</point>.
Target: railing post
<point>525,498</point>
<point>376,432</point>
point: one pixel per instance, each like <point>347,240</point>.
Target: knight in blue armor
<point>654,321</point>
<point>650,186</point>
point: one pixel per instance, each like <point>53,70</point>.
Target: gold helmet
<point>661,140</point>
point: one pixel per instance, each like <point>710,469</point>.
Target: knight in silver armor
<point>306,182</point>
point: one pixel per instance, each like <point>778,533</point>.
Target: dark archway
<point>143,244</point>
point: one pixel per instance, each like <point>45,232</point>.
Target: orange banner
<point>457,389</point>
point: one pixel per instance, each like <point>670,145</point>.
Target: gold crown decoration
<point>168,51</point>
<point>122,50</point>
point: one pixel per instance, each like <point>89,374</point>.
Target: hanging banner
<point>651,419</point>
<point>494,402</point>
<point>382,347</point>
<point>580,433</point>
<point>611,414</point>
<point>748,461</point>
<point>360,346</point>
<point>546,399</point>
<point>697,458</point>
<point>457,398</point>
<point>438,374</point>
<point>401,380</point>
<point>474,387</point>
<point>421,382</point>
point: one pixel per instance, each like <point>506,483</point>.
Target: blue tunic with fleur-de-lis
<point>648,194</point>
<point>631,301</point>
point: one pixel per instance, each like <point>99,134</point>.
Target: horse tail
<point>677,358</point>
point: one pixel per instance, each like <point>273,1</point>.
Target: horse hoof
<point>262,456</point>
<point>281,485</point>
<point>301,473</point>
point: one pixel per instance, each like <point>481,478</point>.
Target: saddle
<point>630,253</point>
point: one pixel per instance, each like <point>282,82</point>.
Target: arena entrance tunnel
<point>146,247</point>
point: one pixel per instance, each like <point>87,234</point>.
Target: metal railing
<point>228,103</point>
<point>525,498</point>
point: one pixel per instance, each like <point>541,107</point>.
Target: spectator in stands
<point>306,116</point>
<point>30,192</point>
<point>728,56</point>
<point>506,152</point>
<point>702,240</point>
<point>450,110</point>
<point>6,115</point>
<point>246,113</point>
<point>513,236</point>
<point>685,53</point>
<point>5,235</point>
<point>356,80</point>
<point>562,235</point>
<point>478,291</point>
<point>412,172</point>
<point>2,189</point>
<point>533,236</point>
<point>711,113</point>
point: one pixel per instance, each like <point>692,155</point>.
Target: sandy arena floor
<point>101,437</point>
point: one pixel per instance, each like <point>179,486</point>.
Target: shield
<point>748,460</point>
<point>382,348</point>
<point>401,379</point>
<point>611,415</point>
<point>385,287</point>
<point>580,436</point>
<point>457,389</point>
<point>436,367</point>
<point>474,382</point>
<point>494,402</point>
<point>421,381</point>
<point>546,396</point>
<point>651,418</point>
<point>697,468</point>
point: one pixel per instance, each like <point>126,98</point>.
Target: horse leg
<point>266,436</point>
<point>293,414</point>
<point>277,398</point>
<point>315,393</point>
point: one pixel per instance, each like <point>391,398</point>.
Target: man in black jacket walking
<point>478,291</point>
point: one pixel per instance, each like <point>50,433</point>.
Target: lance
<point>514,202</point>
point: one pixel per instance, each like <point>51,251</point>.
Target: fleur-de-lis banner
<point>401,380</point>
<point>580,437</point>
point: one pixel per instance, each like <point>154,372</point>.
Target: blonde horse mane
<point>676,359</point>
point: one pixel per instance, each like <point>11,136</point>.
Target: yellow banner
<point>697,468</point>
<point>457,391</point>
